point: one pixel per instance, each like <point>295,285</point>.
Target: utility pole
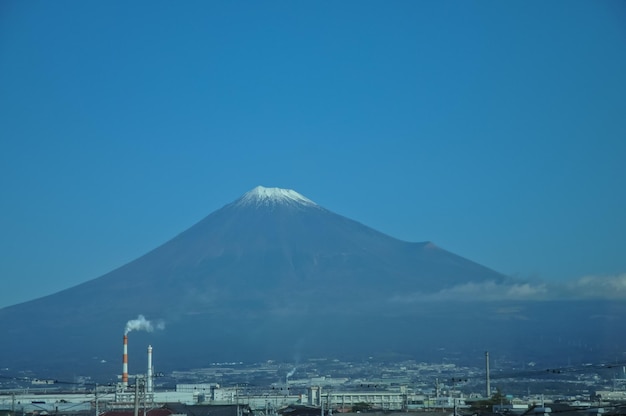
<point>96,399</point>
<point>328,404</point>
<point>136,396</point>
<point>487,371</point>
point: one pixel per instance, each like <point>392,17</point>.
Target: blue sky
<point>494,129</point>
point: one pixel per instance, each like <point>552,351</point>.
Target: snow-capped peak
<point>271,196</point>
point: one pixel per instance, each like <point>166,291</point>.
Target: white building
<point>386,400</point>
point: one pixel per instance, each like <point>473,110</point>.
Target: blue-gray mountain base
<point>275,276</point>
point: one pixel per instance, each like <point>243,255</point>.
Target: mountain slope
<point>258,248</point>
<point>272,264</point>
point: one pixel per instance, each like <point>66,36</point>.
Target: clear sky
<point>497,130</point>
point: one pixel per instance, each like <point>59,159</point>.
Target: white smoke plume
<point>142,324</point>
<point>291,373</point>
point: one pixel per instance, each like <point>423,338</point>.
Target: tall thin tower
<point>488,385</point>
<point>149,377</point>
<point>125,363</point>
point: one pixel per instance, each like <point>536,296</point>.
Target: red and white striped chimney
<point>125,362</point>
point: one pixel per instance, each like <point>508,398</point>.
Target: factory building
<point>214,394</point>
<point>385,400</point>
<point>33,403</point>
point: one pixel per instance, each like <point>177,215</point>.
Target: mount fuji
<point>273,275</point>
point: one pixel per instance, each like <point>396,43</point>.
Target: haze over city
<point>494,130</point>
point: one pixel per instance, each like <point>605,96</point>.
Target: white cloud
<point>598,287</point>
<point>587,287</point>
<point>479,291</point>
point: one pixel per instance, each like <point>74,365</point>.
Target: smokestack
<point>487,372</point>
<point>125,363</point>
<point>149,378</point>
